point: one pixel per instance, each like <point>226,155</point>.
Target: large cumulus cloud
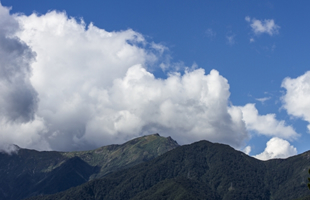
<point>18,98</point>
<point>95,88</point>
<point>189,107</point>
<point>88,87</point>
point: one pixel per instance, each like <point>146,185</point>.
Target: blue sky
<point>231,37</point>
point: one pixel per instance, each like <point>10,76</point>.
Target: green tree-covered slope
<point>29,172</point>
<point>202,170</point>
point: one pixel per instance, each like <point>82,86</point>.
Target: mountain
<point>202,170</point>
<point>115,157</point>
<point>29,172</point>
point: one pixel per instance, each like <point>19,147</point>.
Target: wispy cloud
<point>262,100</point>
<point>231,39</point>
<point>210,33</point>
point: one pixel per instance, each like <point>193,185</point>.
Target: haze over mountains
<point>202,170</point>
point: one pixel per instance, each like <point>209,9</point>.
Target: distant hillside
<point>31,172</point>
<point>202,170</point>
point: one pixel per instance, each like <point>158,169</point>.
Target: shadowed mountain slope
<point>29,172</point>
<point>202,170</point>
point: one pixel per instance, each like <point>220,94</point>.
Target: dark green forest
<point>202,170</point>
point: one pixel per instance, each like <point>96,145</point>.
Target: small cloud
<point>231,39</point>
<point>252,40</point>
<point>210,33</point>
<point>277,148</point>
<point>262,100</point>
<point>263,26</point>
<point>247,150</point>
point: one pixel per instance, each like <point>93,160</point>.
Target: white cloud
<point>247,150</point>
<point>296,100</point>
<point>189,107</point>
<point>94,88</point>
<point>266,124</point>
<point>90,87</point>
<point>263,26</point>
<point>74,68</point>
<point>277,148</point>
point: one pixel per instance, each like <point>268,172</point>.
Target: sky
<point>77,75</point>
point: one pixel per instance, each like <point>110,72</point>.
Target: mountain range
<point>29,173</point>
<point>153,167</point>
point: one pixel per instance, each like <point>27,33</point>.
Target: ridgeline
<point>202,170</point>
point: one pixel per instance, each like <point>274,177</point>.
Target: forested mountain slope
<point>29,172</point>
<point>202,170</point>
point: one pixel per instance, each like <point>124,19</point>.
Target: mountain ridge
<point>202,170</point>
<point>30,172</point>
